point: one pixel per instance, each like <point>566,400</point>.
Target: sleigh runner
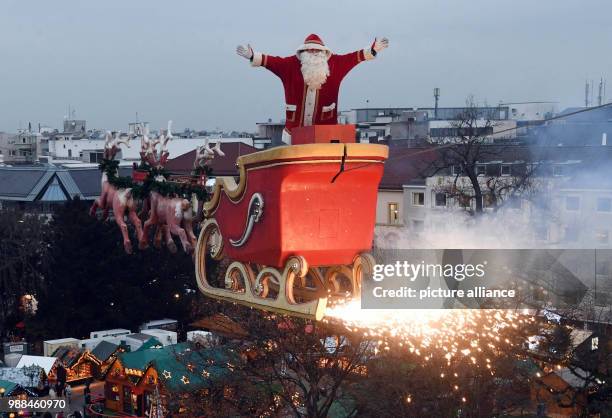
<point>296,227</point>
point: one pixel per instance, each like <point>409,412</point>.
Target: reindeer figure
<point>148,148</point>
<point>171,215</point>
<point>205,154</point>
<point>119,200</point>
<point>204,157</point>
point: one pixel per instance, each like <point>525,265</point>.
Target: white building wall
<point>165,337</point>
<point>384,198</point>
<point>71,148</point>
<point>415,214</point>
<point>584,226</point>
<point>532,110</point>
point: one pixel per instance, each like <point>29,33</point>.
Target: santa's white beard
<point>315,69</point>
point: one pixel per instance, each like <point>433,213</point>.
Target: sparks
<point>457,335</point>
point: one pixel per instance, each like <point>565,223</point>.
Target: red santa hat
<point>313,41</point>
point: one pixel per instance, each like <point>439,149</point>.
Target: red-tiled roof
<point>221,166</point>
<point>405,166</point>
<point>408,164</point>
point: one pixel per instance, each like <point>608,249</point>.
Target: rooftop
<point>26,377</point>
<point>50,182</point>
<point>46,363</point>
<point>104,350</point>
<point>221,166</point>
<point>179,367</point>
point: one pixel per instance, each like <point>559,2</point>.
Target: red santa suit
<point>304,105</point>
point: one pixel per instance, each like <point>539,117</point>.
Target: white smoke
<point>546,219</point>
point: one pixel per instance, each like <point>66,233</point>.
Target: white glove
<point>245,51</point>
<point>380,44</point>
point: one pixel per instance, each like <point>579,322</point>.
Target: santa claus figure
<point>311,79</point>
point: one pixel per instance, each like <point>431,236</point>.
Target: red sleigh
<point>296,227</point>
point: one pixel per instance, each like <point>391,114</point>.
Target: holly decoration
<point>150,184</point>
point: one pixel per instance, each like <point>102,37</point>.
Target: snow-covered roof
<point>576,378</point>
<point>46,363</point>
<point>578,336</point>
<point>62,341</point>
<point>21,376</point>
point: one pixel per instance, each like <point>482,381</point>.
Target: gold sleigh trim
<point>282,155</point>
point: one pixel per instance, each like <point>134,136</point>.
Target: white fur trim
<point>329,108</point>
<point>286,138</point>
<point>257,59</point>
<point>367,53</point>
<point>309,106</point>
<point>313,46</point>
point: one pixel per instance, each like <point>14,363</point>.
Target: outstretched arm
<point>350,60</point>
<point>272,63</point>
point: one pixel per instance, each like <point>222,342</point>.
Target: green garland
<point>165,188</point>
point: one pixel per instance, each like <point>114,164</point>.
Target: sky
<point>176,60</point>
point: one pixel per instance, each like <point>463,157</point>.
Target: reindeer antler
<point>217,149</point>
<point>119,141</point>
<point>110,146</point>
<point>204,155</point>
<point>108,140</point>
<point>168,137</point>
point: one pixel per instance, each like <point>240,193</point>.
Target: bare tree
<point>291,367</point>
<point>467,144</point>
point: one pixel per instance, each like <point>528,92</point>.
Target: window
<point>505,169</point>
<point>541,233</point>
<point>393,213</point>
<point>418,199</point>
<point>418,226</point>
<point>456,170</point>
<point>594,343</point>
<point>440,199</point>
<point>494,170</point>
<point>460,132</point>
<point>572,203</point>
<point>112,392</point>
<point>604,204</point>
<point>481,170</point>
<point>571,234</point>
<point>602,236</point>
<point>464,201</point>
<point>558,170</point>
<point>69,153</point>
